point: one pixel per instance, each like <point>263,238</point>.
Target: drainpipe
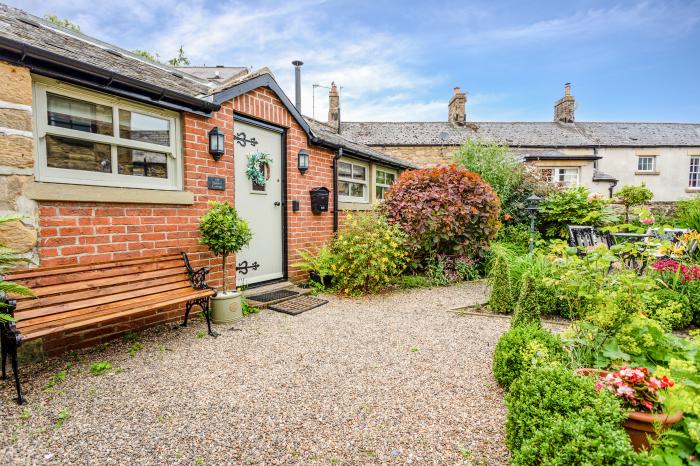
<point>337,157</point>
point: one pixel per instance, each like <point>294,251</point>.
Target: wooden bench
<point>79,296</point>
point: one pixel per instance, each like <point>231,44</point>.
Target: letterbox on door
<point>319,200</point>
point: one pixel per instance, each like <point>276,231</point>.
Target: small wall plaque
<point>216,182</point>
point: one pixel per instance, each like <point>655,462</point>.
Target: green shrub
<point>522,348</point>
<point>444,270</point>
<point>501,299</point>
<point>321,263</point>
<point>630,196</point>
<point>443,210</point>
<point>517,237</point>
<point>369,254</point>
<point>542,396</point>
<point>688,213</point>
<point>527,311</point>
<point>413,281</point>
<point>578,440</point>
<point>224,233</point>
<point>668,307</point>
<point>572,206</point>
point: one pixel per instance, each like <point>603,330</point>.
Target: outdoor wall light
<point>216,143</point>
<point>303,161</point>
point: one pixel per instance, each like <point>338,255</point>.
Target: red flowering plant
<point>672,269</point>
<point>636,387</point>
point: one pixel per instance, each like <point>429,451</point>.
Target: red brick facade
<point>88,232</point>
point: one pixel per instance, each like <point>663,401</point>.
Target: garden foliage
<point>444,210</point>
<point>574,206</point>
<point>368,254</point>
<point>501,298</point>
<point>631,196</point>
<point>527,311</point>
<point>523,348</point>
<point>689,213</point>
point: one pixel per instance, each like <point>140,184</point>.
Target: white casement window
<point>646,163</point>
<point>562,176</point>
<point>694,179</point>
<point>384,179</point>
<point>88,138</point>
<point>353,185</point>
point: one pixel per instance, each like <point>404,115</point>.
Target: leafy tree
<point>224,232</point>
<point>64,23</point>
<point>180,60</point>
<point>631,196</point>
<point>155,58</point>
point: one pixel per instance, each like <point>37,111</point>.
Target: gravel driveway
<point>389,379</point>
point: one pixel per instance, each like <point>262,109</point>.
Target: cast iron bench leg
<point>205,309</point>
<point>15,370</point>
<point>3,350</point>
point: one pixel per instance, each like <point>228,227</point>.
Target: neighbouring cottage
<point>106,156</point>
<point>598,155</point>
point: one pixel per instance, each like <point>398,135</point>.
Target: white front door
<point>260,205</point>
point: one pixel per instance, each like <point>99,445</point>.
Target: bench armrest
<point>198,277</point>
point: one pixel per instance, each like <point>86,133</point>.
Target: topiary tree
<point>521,349</point>
<point>224,232</point>
<point>577,439</point>
<point>631,196</point>
<point>541,396</point>
<point>527,311</point>
<point>443,210</point>
<point>501,298</point>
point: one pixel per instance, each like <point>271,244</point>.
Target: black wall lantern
<point>303,161</point>
<point>216,143</point>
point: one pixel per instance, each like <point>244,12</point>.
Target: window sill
<point>646,173</point>
<point>692,190</point>
<point>83,193</point>
<point>354,205</point>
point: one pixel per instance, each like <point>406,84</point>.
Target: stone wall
<point>17,160</point>
<point>424,156</point>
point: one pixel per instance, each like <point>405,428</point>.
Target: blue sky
<point>626,60</point>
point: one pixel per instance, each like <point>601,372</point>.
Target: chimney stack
<point>297,83</point>
<point>564,107</point>
<point>457,108</point>
<point>334,108</point>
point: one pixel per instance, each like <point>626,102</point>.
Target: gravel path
<point>389,379</point>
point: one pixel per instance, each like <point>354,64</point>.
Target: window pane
<point>343,188</point>
<point>145,128</point>
<point>359,173</point>
<point>345,170</point>
<point>142,163</point>
<point>75,154</point>
<point>390,178</point>
<point>645,164</point>
<point>546,174</point>
<point>381,191</point>
<point>381,177</point>
<point>357,190</point>
<point>694,180</point>
<point>65,112</point>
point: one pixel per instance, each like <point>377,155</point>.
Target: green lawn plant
<point>224,233</point>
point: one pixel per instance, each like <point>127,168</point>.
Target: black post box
<point>319,200</point>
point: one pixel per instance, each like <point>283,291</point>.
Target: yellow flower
<point>393,245</point>
<point>384,259</point>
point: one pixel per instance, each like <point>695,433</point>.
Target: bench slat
<point>70,288</point>
<point>158,302</point>
<point>87,275</point>
<point>99,303</point>
<point>67,269</point>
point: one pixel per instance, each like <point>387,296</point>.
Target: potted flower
<point>643,395</point>
<point>225,233</point>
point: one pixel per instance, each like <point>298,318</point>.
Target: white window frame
<point>556,174</point>
<point>653,163</point>
<point>694,172</point>
<point>377,184</point>
<point>365,199</point>
<point>45,173</point>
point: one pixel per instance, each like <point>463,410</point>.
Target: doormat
<point>273,296</point>
<point>298,305</point>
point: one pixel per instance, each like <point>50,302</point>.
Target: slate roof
<point>215,74</point>
<point>326,133</point>
<point>526,134</point>
<point>20,26</point>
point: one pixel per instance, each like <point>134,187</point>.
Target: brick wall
<point>86,232</point>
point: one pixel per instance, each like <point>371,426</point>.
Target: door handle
<point>278,203</point>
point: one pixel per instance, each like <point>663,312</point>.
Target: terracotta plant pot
<point>639,426</point>
<point>644,426</point>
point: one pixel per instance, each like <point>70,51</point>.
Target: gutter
<point>53,65</point>
<point>337,157</point>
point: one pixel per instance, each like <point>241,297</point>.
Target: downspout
<point>337,157</point>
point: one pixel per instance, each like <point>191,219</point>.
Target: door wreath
<point>258,170</point>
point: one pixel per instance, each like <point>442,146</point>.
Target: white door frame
<point>283,175</point>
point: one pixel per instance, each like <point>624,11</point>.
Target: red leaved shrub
<point>444,210</point>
